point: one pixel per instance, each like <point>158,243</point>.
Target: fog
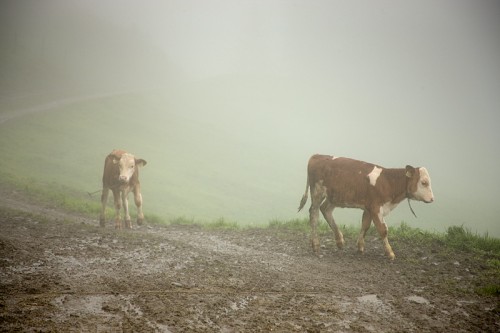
<point>238,94</point>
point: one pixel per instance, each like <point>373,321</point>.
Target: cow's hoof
<point>140,221</point>
<point>315,247</point>
<point>361,246</point>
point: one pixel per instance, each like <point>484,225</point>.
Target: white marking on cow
<point>373,176</point>
<point>381,214</point>
<point>424,190</point>
<point>127,167</point>
<point>387,208</point>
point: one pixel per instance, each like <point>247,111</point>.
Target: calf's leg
<point>327,209</point>
<point>117,200</point>
<point>378,220</point>
<point>138,204</point>
<point>317,196</point>
<point>365,225</point>
<point>126,214</point>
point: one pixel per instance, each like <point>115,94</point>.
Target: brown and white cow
<point>121,176</point>
<point>344,182</point>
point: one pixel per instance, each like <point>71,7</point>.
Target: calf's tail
<point>305,196</point>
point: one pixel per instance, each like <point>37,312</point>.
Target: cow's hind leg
<point>317,196</point>
<point>365,225</point>
<point>327,210</point>
<point>104,201</point>
<point>378,220</point>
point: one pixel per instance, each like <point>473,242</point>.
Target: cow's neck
<point>397,178</point>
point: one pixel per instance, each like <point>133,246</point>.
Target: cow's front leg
<point>378,220</point>
<point>126,213</point>
<point>138,204</point>
<point>116,197</point>
<point>366,222</point>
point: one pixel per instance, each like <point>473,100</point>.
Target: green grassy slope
<point>195,167</point>
<point>210,153</point>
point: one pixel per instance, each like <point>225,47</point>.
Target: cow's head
<point>127,165</point>
<point>419,184</point>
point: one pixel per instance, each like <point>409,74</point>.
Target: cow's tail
<point>305,196</point>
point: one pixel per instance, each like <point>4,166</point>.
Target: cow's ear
<point>410,171</point>
<point>140,162</point>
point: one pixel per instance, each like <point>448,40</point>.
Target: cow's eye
<point>425,183</point>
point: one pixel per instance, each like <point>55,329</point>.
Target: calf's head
<point>418,184</point>
<point>127,165</point>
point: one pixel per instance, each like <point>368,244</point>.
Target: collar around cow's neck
<point>408,197</point>
<point>409,204</point>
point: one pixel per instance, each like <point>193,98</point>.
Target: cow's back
<point>345,179</point>
<point>338,170</point>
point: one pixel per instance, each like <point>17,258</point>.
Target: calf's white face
<point>424,190</point>
<point>127,167</point>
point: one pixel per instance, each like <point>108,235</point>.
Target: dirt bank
<point>60,272</point>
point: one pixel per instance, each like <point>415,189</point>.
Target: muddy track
<point>60,272</point>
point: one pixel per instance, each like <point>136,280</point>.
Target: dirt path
<point>63,273</point>
<point>8,115</point>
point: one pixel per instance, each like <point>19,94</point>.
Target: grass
<point>463,239</point>
<point>302,225</point>
<point>69,199</point>
<point>489,290</point>
<point>50,193</point>
<point>220,223</point>
<point>68,145</point>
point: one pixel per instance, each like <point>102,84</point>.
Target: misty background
<point>227,100</point>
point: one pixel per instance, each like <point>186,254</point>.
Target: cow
<point>348,183</point>
<point>121,176</point>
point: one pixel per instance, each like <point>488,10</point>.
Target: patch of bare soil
<point>64,273</point>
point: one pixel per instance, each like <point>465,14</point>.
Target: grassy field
<point>205,161</point>
<point>66,198</point>
<point>193,169</point>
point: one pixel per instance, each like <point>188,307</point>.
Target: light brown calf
<point>343,182</point>
<point>121,176</point>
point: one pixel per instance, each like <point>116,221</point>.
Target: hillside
<point>197,167</point>
<point>210,156</point>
